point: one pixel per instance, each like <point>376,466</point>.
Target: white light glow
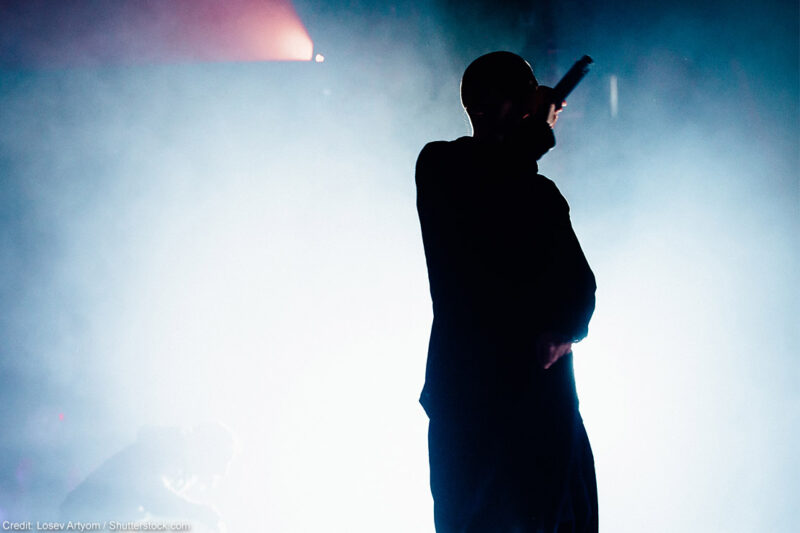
<point>613,96</point>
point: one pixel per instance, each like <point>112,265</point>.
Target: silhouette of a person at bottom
<point>156,479</point>
<point>512,291</point>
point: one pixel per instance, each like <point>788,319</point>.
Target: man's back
<point>511,292</point>
<point>504,267</point>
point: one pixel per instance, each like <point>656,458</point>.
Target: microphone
<point>571,80</point>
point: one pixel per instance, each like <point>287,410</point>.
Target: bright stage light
<point>153,31</point>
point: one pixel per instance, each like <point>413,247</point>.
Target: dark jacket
<point>504,266</point>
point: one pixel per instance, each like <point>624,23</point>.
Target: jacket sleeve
<point>569,290</point>
<point>532,137</point>
<point>434,215</point>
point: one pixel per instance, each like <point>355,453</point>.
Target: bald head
<point>493,81</point>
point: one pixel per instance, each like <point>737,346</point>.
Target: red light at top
<point>86,32</point>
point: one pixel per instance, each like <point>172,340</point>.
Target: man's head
<point>496,91</point>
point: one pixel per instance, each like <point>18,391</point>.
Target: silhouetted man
<point>511,292</point>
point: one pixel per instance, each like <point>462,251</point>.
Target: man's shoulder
<point>431,152</point>
<point>456,143</point>
<point>439,159</point>
<point>439,149</point>
<point>461,157</point>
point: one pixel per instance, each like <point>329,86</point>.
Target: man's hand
<point>548,350</point>
<point>552,114</point>
<point>542,107</point>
